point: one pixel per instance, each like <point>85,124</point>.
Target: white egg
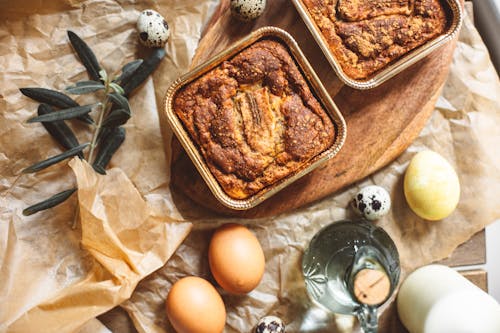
<point>372,202</point>
<point>270,324</point>
<point>247,10</point>
<point>153,29</point>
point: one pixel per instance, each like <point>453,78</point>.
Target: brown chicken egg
<point>236,258</point>
<point>194,306</point>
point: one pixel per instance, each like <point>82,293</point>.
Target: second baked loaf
<point>366,35</point>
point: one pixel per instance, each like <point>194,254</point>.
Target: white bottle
<point>437,299</point>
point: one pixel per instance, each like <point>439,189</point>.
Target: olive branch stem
<point>105,107</point>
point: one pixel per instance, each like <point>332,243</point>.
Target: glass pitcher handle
<point>367,316</point>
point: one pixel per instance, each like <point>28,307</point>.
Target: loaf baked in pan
<point>254,119</point>
<point>367,35</point>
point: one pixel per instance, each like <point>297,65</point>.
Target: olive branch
<point>112,112</point>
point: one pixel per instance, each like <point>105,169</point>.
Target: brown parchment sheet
<point>54,278</point>
<point>57,278</point>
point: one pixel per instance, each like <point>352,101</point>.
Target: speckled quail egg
<point>153,29</point>
<point>372,202</point>
<point>270,324</point>
<point>247,10</point>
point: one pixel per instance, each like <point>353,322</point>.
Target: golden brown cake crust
<point>254,119</point>
<point>366,35</point>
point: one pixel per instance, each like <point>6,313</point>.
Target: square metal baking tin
<point>316,87</point>
<point>454,13</point>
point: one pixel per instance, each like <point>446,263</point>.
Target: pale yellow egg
<point>431,186</point>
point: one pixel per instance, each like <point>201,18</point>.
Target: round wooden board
<point>381,122</point>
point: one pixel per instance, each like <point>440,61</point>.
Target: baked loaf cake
<point>254,119</point>
<point>366,35</point>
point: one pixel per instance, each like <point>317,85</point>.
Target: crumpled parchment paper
<point>40,256</point>
<point>53,278</point>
